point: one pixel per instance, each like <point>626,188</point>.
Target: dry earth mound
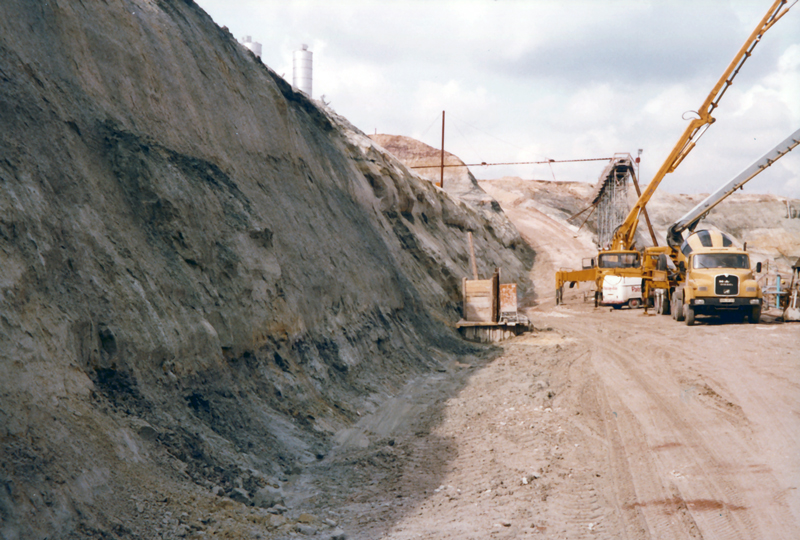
<point>768,223</point>
<point>458,180</point>
<point>426,161</point>
<point>205,277</point>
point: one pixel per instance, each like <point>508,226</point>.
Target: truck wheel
<point>755,315</point>
<point>688,313</point>
<point>678,311</point>
<point>634,303</point>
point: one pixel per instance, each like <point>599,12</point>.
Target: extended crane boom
<point>697,213</point>
<point>621,260</point>
<point>624,237</point>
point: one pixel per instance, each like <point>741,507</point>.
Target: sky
<point>534,80</point>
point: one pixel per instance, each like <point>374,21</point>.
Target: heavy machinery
<point>621,258</point>
<point>690,220</point>
<point>713,275</point>
<point>791,311</point>
<point>716,277</point>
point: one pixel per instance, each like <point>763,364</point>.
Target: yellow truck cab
<point>718,278</point>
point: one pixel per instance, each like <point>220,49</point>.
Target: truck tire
<point>634,303</point>
<point>677,310</point>
<point>755,315</point>
<point>688,313</point>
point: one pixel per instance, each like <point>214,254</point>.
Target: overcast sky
<point>546,79</point>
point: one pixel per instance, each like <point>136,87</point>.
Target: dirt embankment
<point>206,277</point>
<point>457,179</point>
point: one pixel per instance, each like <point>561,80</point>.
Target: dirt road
<point>599,425</point>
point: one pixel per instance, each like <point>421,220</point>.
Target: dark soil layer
<point>204,274</point>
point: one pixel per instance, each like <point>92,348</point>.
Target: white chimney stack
<point>301,78</point>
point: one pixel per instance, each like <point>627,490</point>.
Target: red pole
<point>441,177</point>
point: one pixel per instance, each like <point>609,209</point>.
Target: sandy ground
<point>600,424</point>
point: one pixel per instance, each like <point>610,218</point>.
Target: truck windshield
<point>721,260</point>
<point>619,260</point>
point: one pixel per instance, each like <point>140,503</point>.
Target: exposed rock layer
<point>205,275</point>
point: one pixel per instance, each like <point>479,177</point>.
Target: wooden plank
<point>479,300</point>
<point>496,296</point>
<point>479,287</point>
<point>472,261</point>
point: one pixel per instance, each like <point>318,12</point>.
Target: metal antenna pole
<point>441,177</point>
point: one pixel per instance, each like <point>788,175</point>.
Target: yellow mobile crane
<point>621,259</point>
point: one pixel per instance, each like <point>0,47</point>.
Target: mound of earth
<point>768,224</point>
<point>458,181</point>
<point>207,277</point>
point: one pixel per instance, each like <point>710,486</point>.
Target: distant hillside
<point>426,161</point>
<point>769,224</point>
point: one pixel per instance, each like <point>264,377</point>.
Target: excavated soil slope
<point>206,278</point>
<point>457,179</point>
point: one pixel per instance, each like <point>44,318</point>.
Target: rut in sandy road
<point>689,445</point>
<point>596,426</point>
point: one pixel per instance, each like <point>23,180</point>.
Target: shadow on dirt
<point>386,466</point>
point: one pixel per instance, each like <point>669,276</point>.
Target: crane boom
<point>697,213</point>
<point>625,234</point>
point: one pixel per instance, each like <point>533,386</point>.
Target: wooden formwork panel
<point>481,299</point>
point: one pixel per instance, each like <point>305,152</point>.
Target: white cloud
<point>521,80</point>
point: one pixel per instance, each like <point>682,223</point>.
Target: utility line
<point>489,134</point>
<point>484,164</point>
<point>430,126</point>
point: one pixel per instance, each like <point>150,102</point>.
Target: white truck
<point>619,291</point>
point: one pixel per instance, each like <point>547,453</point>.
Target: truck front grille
<point>726,285</point>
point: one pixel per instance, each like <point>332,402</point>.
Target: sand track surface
<point>600,424</point>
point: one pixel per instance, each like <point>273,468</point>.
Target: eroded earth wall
<point>203,274</point>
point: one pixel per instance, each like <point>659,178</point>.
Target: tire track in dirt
<point>601,425</point>
<point>713,497</point>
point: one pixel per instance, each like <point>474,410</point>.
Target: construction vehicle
<point>625,265</point>
<point>651,266</point>
<point>791,311</point>
<point>714,276</point>
<point>619,291</point>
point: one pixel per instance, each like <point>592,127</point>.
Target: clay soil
<point>600,424</point>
